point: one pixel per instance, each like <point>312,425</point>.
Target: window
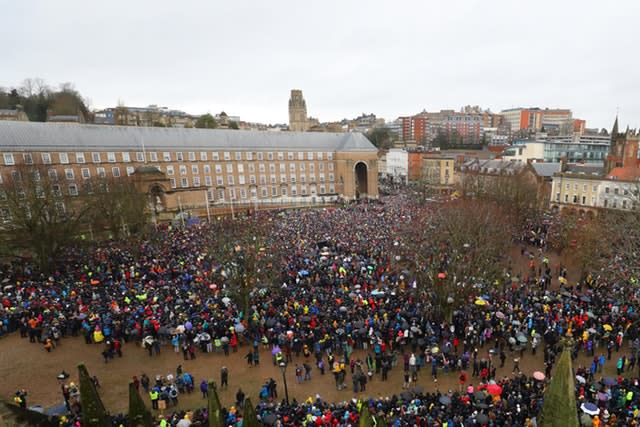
<point>184,182</point>
<point>303,178</point>
<point>269,155</point>
<point>126,157</point>
<point>101,172</point>
<point>192,156</point>
<point>226,155</point>
<point>312,178</point>
<point>260,155</point>
<point>196,181</point>
<point>294,190</point>
<point>330,167</point>
<point>240,168</point>
<point>183,170</point>
<point>249,156</point>
<point>238,156</point>
<point>557,197</point>
<point>69,174</point>
<point>219,181</point>
<point>272,178</point>
<point>272,167</point>
<point>331,177</point>
<point>86,174</point>
<point>606,190</point>
<point>229,167</point>
<point>624,204</point>
<point>274,191</point>
<point>292,167</point>
<point>329,156</point>
<point>64,158</point>
<point>80,158</point>
<point>332,189</point>
<point>284,191</point>
<point>218,168</point>
<point>280,156</point>
<point>73,190</point>
<point>221,194</point>
<point>261,168</point>
<point>310,155</point>
<point>206,169</point>
<point>300,155</point>
<point>312,168</point>
<point>241,179</point>
<point>252,168</point>
<point>8,159</point>
<point>53,174</point>
<point>319,155</point>
<point>232,193</point>
<point>46,158</point>
<point>170,170</point>
<point>115,172</point>
<point>303,190</point>
<point>173,182</point>
<point>320,166</point>
<point>283,179</point>
<point>166,156</point>
<point>111,157</point>
<point>616,190</point>
<point>210,195</point>
<point>95,157</point>
<point>243,193</point>
<point>301,167</point>
<point>289,156</point>
<point>207,181</point>
<point>153,156</point>
<point>566,198</point>
<point>252,179</point>
<point>263,180</point>
<point>130,170</point>
<point>230,180</point>
<point>179,157</point>
<point>194,169</point>
<point>27,158</point>
<point>203,156</point>
<point>140,157</point>
<point>293,178</point>
<point>215,156</point>
<point>263,192</point>
<point>321,177</point>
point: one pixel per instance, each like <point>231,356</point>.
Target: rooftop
<point>30,136</point>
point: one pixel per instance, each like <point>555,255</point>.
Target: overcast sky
<point>390,58</point>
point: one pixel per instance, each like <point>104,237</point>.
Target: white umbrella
<point>183,423</point>
<point>589,408</point>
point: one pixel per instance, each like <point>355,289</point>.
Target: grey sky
<point>348,57</point>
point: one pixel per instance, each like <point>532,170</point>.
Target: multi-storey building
<point>191,166</point>
<point>558,121</point>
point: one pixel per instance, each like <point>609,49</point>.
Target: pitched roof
<point>546,168</point>
<point>627,173</point>
<point>32,136</point>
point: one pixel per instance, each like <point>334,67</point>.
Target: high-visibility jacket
<point>153,395</point>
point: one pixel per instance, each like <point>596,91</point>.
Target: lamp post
<point>283,368</point>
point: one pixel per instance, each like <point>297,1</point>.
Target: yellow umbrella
<point>480,301</point>
<point>607,327</point>
<point>563,280</point>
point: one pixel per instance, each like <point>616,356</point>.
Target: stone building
<point>298,121</point>
<point>199,170</point>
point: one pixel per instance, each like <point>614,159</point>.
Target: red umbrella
<point>494,389</point>
<point>539,375</point>
<point>442,275</point>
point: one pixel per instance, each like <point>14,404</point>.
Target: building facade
<point>199,168</point>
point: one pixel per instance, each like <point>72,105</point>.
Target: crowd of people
<point>338,287</point>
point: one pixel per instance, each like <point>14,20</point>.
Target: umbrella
<point>585,298</point>
<point>269,419</point>
<point>275,350</point>
<point>482,418</point>
<point>148,340</point>
<point>591,330</point>
<point>589,408</point>
<point>226,300</point>
<point>522,338</point>
<point>563,280</point>
<point>479,395</point>
<point>480,302</point>
<point>609,381</point>
<point>494,389</point>
<point>607,327</point>
<point>590,314</point>
<point>435,349</point>
<point>180,329</point>
<point>500,315</point>
<point>581,379</point>
<point>482,406</point>
<point>239,328</point>
<point>516,323</point>
<point>540,376</point>
<point>442,275</point>
<point>445,400</point>
<point>602,396</point>
<point>512,340</point>
<point>185,422</point>
<point>406,395</point>
<point>418,390</point>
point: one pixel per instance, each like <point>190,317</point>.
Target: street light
<point>283,368</point>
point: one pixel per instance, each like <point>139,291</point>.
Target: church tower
<point>297,112</point>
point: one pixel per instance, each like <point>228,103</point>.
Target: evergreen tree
<point>214,407</point>
<point>366,420</point>
<point>138,415</point>
<point>93,412</point>
<point>249,415</point>
<point>559,408</point>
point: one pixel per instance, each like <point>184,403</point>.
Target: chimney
<point>563,164</point>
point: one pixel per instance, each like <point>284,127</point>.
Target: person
<point>224,378</point>
<point>20,398</point>
<point>240,398</point>
<point>154,396</point>
<point>204,389</point>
